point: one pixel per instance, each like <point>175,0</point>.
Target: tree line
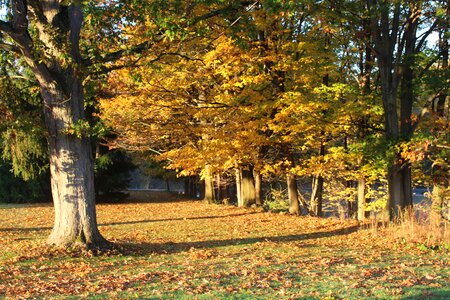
<point>349,97</point>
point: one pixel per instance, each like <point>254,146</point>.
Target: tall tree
<point>394,26</point>
<point>47,35</point>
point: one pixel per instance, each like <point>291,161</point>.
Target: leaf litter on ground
<point>189,249</point>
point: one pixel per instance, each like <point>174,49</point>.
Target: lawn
<point>191,250</point>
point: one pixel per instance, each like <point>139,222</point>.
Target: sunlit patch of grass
<point>189,250</point>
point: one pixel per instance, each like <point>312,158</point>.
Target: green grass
<point>191,250</point>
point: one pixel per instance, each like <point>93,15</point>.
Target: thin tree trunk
<point>167,185</point>
<point>209,185</point>
<point>194,186</point>
<point>317,191</point>
<point>202,189</point>
<point>218,188</point>
<point>361,196</point>
<point>238,176</point>
<point>258,192</point>
<point>351,204</point>
<point>294,207</point>
<point>187,186</point>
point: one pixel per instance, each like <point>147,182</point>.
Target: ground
<point>192,250</point>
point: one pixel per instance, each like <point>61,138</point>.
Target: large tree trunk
<point>58,27</point>
<point>395,192</point>
<point>248,187</point>
<point>71,168</point>
<point>245,187</point>
<point>384,28</point>
<point>294,206</point>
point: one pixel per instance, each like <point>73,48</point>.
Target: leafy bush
<point>277,201</point>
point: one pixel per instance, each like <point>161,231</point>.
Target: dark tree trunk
<point>366,66</point>
<point>238,176</point>
<point>248,187</point>
<point>351,204</point>
<point>317,191</point>
<point>167,181</point>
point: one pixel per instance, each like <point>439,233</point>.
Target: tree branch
<point>423,37</point>
<point>218,12</point>
<point>114,56</point>
<point>9,47</point>
<point>430,64</point>
<point>19,20</point>
<point>106,70</point>
<point>6,27</point>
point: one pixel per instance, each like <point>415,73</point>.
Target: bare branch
<point>114,56</point>
<point>423,37</point>
<point>219,12</point>
<point>106,70</point>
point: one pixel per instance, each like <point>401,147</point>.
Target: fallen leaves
<point>190,248</point>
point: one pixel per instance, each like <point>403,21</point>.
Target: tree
<point>57,69</point>
<point>47,35</point>
<point>394,27</point>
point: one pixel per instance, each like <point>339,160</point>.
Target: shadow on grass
<point>427,293</point>
<point>29,229</point>
<point>24,229</point>
<point>140,249</point>
<point>175,219</point>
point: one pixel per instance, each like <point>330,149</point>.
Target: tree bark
<point>294,206</point>
<point>238,176</point>
<point>71,158</point>
<point>72,176</point>
<point>209,185</point>
<point>258,191</point>
<point>437,210</point>
<point>351,203</point>
<point>361,199</point>
<point>317,191</point>
<point>248,187</point>
<point>218,188</point>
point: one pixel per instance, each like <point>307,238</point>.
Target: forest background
<point>347,97</point>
